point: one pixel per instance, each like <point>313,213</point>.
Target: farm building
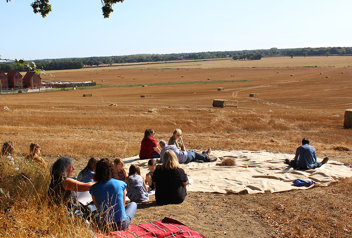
<point>31,80</point>
<point>14,79</point>
<point>3,81</point>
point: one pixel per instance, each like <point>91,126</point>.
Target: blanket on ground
<point>254,172</point>
<point>166,228</point>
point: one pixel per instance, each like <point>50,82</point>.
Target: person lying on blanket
<point>109,196</point>
<point>305,157</point>
<point>184,157</point>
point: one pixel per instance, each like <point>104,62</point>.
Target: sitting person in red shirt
<point>149,147</point>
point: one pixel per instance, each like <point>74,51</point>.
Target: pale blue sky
<point>76,28</point>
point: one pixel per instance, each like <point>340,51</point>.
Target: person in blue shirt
<point>305,157</point>
<point>109,196</point>
<point>86,174</point>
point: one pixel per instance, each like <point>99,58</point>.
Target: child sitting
<point>136,189</point>
<point>34,154</point>
<point>86,174</point>
<point>148,177</point>
<point>121,172</point>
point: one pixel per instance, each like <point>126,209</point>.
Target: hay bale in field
<point>220,89</point>
<point>144,85</point>
<point>87,95</point>
<point>113,105</point>
<point>342,72</point>
<point>209,79</point>
<point>252,95</point>
<point>146,96</point>
<point>348,119</point>
<point>327,77</point>
<point>291,75</point>
<point>224,103</point>
<point>321,73</point>
<point>152,110</point>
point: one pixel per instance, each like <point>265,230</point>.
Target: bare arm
<point>74,185</point>
<point>157,150</point>
<point>154,183</point>
<point>95,202</point>
<point>183,147</point>
<point>144,184</point>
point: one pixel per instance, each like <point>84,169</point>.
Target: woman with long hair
<point>34,154</point>
<point>170,180</point>
<point>62,187</point>
<point>109,195</point>
<point>149,147</point>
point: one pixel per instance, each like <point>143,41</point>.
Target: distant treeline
<point>76,63</point>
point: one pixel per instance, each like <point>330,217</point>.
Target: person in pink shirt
<point>149,147</point>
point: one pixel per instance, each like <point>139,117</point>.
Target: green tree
<point>44,7</point>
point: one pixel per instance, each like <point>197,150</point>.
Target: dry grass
<point>289,108</point>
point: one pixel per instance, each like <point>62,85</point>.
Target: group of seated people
<point>8,151</point>
<point>108,182</point>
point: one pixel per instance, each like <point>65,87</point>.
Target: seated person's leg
<point>201,157</point>
<point>131,209</point>
<point>191,156</point>
<point>155,156</point>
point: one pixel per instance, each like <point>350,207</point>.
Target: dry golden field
<point>299,97</point>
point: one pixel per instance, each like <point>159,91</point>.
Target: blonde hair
<point>170,160</point>
<point>118,161</point>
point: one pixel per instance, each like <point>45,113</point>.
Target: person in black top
<point>170,181</point>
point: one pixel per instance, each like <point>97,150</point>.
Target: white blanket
<point>254,172</point>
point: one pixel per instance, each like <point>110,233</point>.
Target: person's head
<point>149,133</point>
<point>92,163</point>
<point>162,143</point>
<point>7,148</point>
<point>105,170</point>
<point>170,160</point>
<point>34,149</point>
<point>134,169</point>
<point>177,133</point>
<point>63,167</point>
<point>152,165</point>
<point>118,164</point>
<point>305,141</point>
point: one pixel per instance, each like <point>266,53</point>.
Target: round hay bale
<point>321,73</point>
<point>291,75</point>
<point>327,77</point>
<point>342,72</point>
<point>220,89</point>
<point>348,119</point>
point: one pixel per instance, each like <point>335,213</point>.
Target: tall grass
<point>25,210</point>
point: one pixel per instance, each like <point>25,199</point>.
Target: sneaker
<point>325,160</point>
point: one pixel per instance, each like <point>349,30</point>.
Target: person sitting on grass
<point>149,147</point>
<point>109,196</point>
<point>184,157</point>
<point>62,188</point>
<point>34,154</point>
<point>8,151</point>
<point>176,140</point>
<point>136,188</point>
<point>149,176</point>
<point>170,181</point>
<point>87,174</point>
<point>305,157</point>
<point>121,172</point>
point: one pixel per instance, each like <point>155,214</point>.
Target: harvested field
<point>289,108</point>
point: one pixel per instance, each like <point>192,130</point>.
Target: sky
<point>77,28</point>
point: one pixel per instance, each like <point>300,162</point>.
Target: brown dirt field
<point>293,102</point>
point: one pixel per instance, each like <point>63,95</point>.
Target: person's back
<point>85,176</point>
<point>136,191</point>
<point>170,189</point>
<point>306,157</point>
<point>109,198</point>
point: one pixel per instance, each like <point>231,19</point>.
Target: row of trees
<point>50,65</point>
<point>76,63</point>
